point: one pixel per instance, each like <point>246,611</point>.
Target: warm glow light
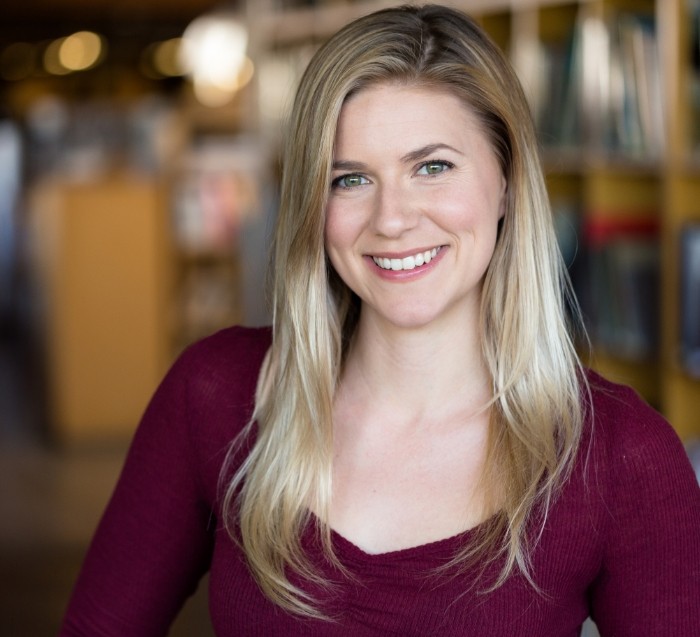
<point>213,55</point>
<point>80,51</point>
<point>246,73</point>
<point>220,94</point>
<point>212,95</point>
<point>146,63</point>
<point>166,58</point>
<point>77,52</point>
<point>52,62</point>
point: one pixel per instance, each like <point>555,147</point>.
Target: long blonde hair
<point>537,408</point>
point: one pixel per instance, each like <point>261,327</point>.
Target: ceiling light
<point>213,56</point>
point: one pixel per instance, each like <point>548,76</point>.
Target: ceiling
<point>129,28</point>
<point>33,19</point>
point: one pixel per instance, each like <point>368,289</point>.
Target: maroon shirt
<point>622,542</point>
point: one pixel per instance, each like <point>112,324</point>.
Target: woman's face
<point>413,212</point>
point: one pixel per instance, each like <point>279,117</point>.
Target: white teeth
<point>407,263</point>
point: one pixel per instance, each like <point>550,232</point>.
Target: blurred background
<point>139,145</point>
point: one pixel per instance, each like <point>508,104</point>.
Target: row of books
<point>216,190</point>
<point>88,138</point>
<point>209,297</point>
<point>602,87</point>
<point>617,283</point>
<point>690,299</point>
<point>218,205</point>
<point>614,265</point>
<point>693,78</point>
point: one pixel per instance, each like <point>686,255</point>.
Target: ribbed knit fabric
<point>622,542</point>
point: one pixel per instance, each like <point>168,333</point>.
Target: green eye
<point>349,181</point>
<point>434,167</point>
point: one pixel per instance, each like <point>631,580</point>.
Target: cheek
<point>340,229</point>
<point>339,250</point>
<point>470,214</point>
<point>335,237</point>
<point>331,224</point>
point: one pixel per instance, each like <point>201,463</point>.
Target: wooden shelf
<point>604,184</point>
<point>106,346</point>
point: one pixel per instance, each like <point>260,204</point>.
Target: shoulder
<point>215,373</point>
<point>208,395</point>
<point>626,425</point>
<point>218,374</point>
<point>232,350</point>
<point>649,522</point>
<point>636,452</point>
<point>228,361</point>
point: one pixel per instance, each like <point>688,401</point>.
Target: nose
<point>394,212</point>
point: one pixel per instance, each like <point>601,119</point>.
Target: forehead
<point>404,115</point>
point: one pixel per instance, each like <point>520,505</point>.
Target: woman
<point>416,448</point>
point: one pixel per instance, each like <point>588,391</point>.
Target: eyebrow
<point>410,157</point>
<point>425,151</point>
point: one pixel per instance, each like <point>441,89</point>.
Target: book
<point>693,75</point>
<point>640,113</point>
<point>690,299</point>
<point>557,103</point>
<point>216,191</point>
<point>621,303</point>
<point>622,88</point>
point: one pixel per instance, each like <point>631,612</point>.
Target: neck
<point>417,375</point>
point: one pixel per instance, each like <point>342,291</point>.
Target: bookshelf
<point>681,203</point>
<point>103,314</point>
<point>216,203</point>
<point>615,89</point>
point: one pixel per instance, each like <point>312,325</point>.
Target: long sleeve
<point>650,581</point>
<point>158,533</point>
<point>622,540</point>
<point>155,538</point>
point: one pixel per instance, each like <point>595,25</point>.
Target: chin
<point>412,319</point>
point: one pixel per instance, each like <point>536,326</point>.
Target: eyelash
<point>430,162</point>
<point>336,183</point>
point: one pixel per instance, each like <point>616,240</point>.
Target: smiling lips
<point>407,263</point>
